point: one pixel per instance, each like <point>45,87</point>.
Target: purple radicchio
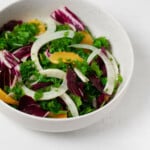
<point>101,66</point>
<point>23,53</point>
<point>47,53</point>
<point>96,82</point>
<point>9,26</point>
<point>66,16</point>
<point>40,85</point>
<point>74,86</point>
<point>9,69</point>
<point>29,106</point>
<point>102,98</point>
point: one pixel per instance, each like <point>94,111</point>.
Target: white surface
<point>127,127</point>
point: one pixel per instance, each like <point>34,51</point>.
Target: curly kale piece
<point>102,42</point>
<point>21,35</point>
<point>28,69</point>
<point>62,27</point>
<point>62,44</point>
<point>53,106</point>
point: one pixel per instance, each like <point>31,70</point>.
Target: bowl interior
<point>99,22</point>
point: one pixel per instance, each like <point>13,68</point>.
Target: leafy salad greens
<point>56,69</point>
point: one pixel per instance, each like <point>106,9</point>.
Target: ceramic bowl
<point>100,23</point>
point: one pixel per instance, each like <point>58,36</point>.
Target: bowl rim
<point>117,95</point>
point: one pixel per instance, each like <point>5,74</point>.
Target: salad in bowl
<point>56,68</point>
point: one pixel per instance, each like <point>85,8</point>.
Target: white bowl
<point>101,24</point>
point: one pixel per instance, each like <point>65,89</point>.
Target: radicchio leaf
<point>9,26</point>
<point>9,70</point>
<point>29,106</point>
<point>2,80</point>
<point>47,53</point>
<point>72,83</point>
<point>23,53</point>
<point>66,16</point>
<point>102,98</point>
<point>96,82</point>
<point>40,85</point>
<point>64,106</point>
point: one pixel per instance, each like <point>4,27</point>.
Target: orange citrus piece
<point>51,115</point>
<point>7,99</point>
<point>87,38</point>
<point>65,57</point>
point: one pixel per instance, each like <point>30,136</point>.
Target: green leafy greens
<point>21,35</point>
<point>102,42</point>
<point>52,106</point>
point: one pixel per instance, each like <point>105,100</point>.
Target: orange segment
<point>65,57</point>
<point>7,99</point>
<point>87,38</point>
<point>41,25</point>
<point>51,115</point>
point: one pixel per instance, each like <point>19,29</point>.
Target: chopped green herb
<point>94,67</point>
<point>81,53</point>
<point>86,109</point>
<point>21,35</point>
<point>104,80</point>
<point>52,106</point>
<point>62,27</point>
<point>82,66</point>
<point>90,91</point>
<point>3,43</point>
<point>101,42</point>
<point>45,62</point>
<point>120,78</point>
<point>62,44</point>
<point>78,37</point>
<point>28,69</point>
<point>66,34</point>
<point>38,95</point>
<point>77,100</point>
<point>17,91</point>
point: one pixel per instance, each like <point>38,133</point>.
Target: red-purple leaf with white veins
<point>73,84</point>
<point>9,26</point>
<point>47,53</point>
<point>9,69</point>
<point>29,106</point>
<point>23,52</point>
<point>66,16</point>
<point>40,85</point>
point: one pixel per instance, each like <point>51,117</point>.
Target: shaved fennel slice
<point>50,24</point>
<point>111,77</point>
<point>109,60</point>
<point>56,73</point>
<point>91,56</point>
<point>84,46</point>
<point>45,38</point>
<point>54,92</point>
<point>71,105</point>
<point>92,48</point>
<point>81,75</point>
<point>62,75</point>
<point>114,63</point>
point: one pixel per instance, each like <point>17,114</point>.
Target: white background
<point>127,127</point>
